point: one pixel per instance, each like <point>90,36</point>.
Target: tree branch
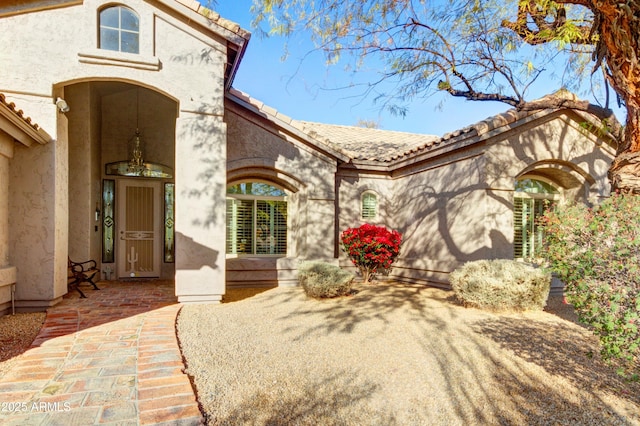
<point>545,31</point>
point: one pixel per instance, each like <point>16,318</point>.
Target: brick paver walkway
<point>109,359</point>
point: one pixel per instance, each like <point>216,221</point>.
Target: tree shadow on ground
<point>414,357</point>
<point>570,352</point>
<point>327,402</point>
<point>369,302</point>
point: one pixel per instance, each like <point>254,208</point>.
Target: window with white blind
<point>531,199</point>
<point>369,208</point>
<point>256,219</point>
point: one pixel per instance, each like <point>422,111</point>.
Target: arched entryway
<point>121,139</point>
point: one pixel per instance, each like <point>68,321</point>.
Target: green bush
<point>324,280</point>
<point>596,253</point>
<point>501,285</point>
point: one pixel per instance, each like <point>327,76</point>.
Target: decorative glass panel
<point>148,170</point>
<point>108,222</point>
<point>169,222</point>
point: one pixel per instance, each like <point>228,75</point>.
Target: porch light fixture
<point>135,166</point>
<point>136,163</point>
<point>62,105</point>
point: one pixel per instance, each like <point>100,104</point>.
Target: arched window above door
<point>119,29</point>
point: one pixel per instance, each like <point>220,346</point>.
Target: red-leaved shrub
<point>371,248</point>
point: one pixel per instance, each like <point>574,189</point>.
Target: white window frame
<point>365,210</point>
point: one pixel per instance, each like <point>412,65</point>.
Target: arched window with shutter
<point>256,220</point>
<point>531,199</point>
<point>369,208</point>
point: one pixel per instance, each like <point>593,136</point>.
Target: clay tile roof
<point>282,120</point>
<point>18,112</point>
<point>216,18</point>
<point>31,130</point>
<point>368,144</point>
<point>386,146</point>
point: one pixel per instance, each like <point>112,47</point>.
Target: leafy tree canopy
<point>485,50</point>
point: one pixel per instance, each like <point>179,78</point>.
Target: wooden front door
<point>139,228</point>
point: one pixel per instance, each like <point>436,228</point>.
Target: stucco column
<point>39,220</point>
<point>200,207</point>
<point>6,152</point>
<point>7,272</point>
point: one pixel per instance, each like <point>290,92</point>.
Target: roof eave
<point>281,121</point>
<point>20,129</point>
<point>234,65</point>
<point>237,37</point>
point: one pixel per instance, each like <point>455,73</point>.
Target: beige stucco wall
<point>438,207</point>
<point>38,222</point>
<point>554,147</point>
<point>561,148</point>
<point>256,149</point>
<point>84,172</point>
<point>6,152</point>
<point>43,53</point>
<point>458,207</point>
<point>200,208</point>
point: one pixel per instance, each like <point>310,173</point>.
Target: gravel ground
<point>396,355</point>
<point>16,335</point>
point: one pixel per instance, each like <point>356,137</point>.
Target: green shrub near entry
<point>501,285</point>
<point>324,280</point>
<point>596,253</point>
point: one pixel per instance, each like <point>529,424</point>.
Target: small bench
<point>81,272</point>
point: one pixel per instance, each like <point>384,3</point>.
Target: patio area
<point>112,358</point>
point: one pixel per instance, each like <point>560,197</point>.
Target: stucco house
<point>145,159</point>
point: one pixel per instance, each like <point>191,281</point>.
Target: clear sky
<point>294,86</point>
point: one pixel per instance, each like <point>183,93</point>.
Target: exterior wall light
<point>62,105</point>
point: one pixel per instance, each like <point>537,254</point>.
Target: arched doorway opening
<point>121,140</point>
